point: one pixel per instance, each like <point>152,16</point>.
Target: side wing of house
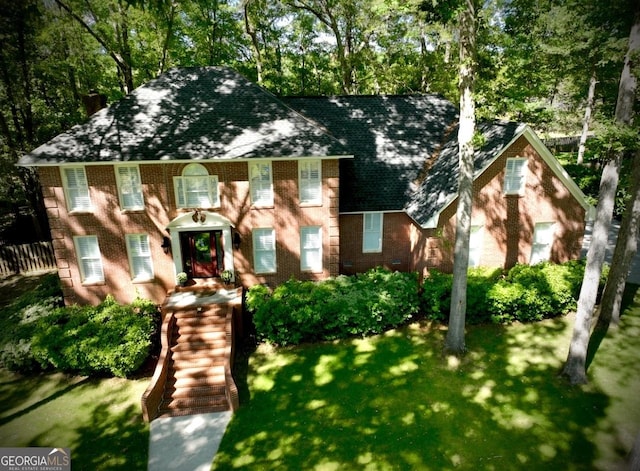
<point>128,229</point>
<point>526,210</point>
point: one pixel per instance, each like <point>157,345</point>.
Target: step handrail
<point>152,396</point>
<point>231,389</point>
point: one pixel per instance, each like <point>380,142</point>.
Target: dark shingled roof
<point>404,147</point>
<point>391,138</point>
<point>190,113</point>
<point>405,150</point>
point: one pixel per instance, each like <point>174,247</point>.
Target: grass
<point>385,402</point>
<point>99,419</point>
<point>394,402</point>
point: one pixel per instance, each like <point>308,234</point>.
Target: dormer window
<point>196,188</point>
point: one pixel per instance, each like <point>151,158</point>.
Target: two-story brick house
<point>201,171</point>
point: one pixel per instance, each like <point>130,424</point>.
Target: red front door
<point>202,253</point>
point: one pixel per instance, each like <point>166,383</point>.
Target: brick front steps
<point>193,374</point>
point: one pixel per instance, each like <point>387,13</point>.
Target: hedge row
<point>109,339</point>
<point>306,311</point>
<point>525,293</point>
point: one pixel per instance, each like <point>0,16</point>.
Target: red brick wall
<point>396,245</point>
<point>109,223</point>
<point>508,220</point>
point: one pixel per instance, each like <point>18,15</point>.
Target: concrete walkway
<point>634,274</point>
<point>189,443</point>
<point>186,443</point>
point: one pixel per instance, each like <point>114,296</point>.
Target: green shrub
<point>525,293</point>
<point>91,340</point>
<point>304,311</point>
<point>436,295</point>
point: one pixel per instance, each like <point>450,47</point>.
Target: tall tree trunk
<point>626,248</point>
<point>575,366</point>
<point>455,335</point>
<point>587,115</point>
<point>167,38</point>
<point>23,53</point>
<point>251,31</point>
<point>634,456</point>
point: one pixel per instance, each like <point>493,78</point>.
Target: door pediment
<point>199,220</point>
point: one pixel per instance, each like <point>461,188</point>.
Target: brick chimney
<point>94,102</point>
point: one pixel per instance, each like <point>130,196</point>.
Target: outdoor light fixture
<point>198,215</point>
<point>236,240</point>
<point>166,244</point>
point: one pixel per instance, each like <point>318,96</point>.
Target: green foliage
<point>303,311</point>
<point>91,340</point>
<point>526,293</point>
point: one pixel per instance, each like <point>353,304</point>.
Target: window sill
<point>132,211</point>
<point>94,283</point>
<point>76,212</point>
<point>311,204</point>
<point>265,206</point>
<point>143,280</point>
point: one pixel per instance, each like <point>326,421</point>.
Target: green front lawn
<point>394,402</point>
<point>98,419</point>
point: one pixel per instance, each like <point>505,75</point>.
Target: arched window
<point>196,188</point>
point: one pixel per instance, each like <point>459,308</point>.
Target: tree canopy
<point>535,57</point>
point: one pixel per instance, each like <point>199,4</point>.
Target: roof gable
<point>191,114</point>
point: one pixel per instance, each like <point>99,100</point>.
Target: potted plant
<point>181,278</point>
<point>227,277</point>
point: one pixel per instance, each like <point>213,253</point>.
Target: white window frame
<point>139,250</point>
<point>89,259</point>
<point>261,183</point>
<point>310,181</point>
<point>515,176</point>
<point>261,250</point>
<point>77,196</point>
<point>311,249</point>
<point>475,245</point>
<point>193,176</point>
<point>129,185</point>
<point>544,235</point>
<point>369,231</point>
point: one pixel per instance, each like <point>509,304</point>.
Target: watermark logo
<point>35,459</point>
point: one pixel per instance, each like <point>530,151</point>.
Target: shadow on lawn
<point>112,441</point>
<point>12,397</point>
<point>393,402</point>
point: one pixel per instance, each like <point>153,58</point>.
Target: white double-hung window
<point>261,183</point>
<point>264,250</point>
<point>543,238</point>
<point>515,175</point>
<point>195,188</point>
<point>89,259</point>
<point>76,189</point>
<point>310,181</point>
<point>372,232</point>
<point>129,187</point>
<point>139,251</point>
<point>475,246</point>
<point>311,249</point>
